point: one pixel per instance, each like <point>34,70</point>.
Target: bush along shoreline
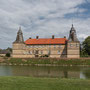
<point>45,61</point>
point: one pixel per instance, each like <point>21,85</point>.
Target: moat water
<point>42,71</point>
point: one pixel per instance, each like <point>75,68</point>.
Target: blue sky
<point>83,15</point>
<point>43,18</point>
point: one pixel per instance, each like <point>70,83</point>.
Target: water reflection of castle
<point>61,72</point>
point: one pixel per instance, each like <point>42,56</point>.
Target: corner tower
<point>19,38</point>
<point>73,44</point>
<point>18,44</point>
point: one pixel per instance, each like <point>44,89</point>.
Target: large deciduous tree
<point>86,46</point>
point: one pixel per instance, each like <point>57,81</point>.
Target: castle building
<point>47,47</point>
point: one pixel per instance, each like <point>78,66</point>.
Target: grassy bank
<point>26,83</point>
<point>46,61</point>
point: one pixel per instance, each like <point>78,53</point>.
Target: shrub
<point>8,55</point>
<point>45,55</point>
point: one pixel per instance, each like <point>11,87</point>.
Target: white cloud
<point>39,17</point>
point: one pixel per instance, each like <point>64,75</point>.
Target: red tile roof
<point>46,41</point>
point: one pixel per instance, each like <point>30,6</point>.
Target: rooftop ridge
<point>47,38</point>
<point>46,41</point>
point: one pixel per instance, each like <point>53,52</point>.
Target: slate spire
<point>19,38</point>
<point>72,35</point>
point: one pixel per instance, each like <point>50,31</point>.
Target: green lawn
<point>28,83</point>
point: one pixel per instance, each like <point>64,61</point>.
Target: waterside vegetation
<point>46,61</point>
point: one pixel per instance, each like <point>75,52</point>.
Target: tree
<point>9,49</point>
<point>86,46</point>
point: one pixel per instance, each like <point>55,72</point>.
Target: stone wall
<point>73,50</point>
<point>70,50</point>
<point>29,51</point>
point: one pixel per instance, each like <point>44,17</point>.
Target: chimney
<point>64,36</point>
<point>30,38</point>
<point>53,36</point>
<point>37,37</point>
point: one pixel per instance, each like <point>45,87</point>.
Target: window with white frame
<point>39,46</point>
<point>33,51</point>
<point>35,46</point>
<point>41,52</point>
<point>49,46</point>
<point>24,45</point>
<point>26,52</point>
<point>29,52</point>
<point>49,52</point>
<point>54,46</point>
<point>27,46</point>
<point>71,45</point>
<point>58,51</point>
<point>59,46</point>
<point>77,45</point>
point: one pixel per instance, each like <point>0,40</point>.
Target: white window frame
<point>59,52</point>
